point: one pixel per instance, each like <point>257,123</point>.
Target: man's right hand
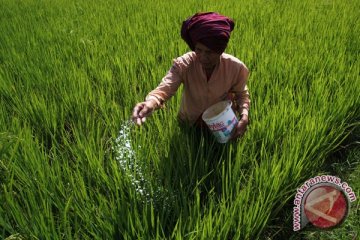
<point>143,110</point>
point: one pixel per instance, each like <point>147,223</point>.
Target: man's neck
<point>208,72</point>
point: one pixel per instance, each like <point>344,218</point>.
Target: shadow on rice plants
<point>192,167</point>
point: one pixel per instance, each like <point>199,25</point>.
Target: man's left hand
<point>240,128</point>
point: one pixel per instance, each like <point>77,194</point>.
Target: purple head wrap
<point>209,28</point>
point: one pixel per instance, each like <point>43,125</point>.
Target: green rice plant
<point>71,72</point>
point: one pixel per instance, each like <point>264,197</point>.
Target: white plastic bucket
<point>221,120</point>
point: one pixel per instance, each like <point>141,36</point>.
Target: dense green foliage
<point>71,72</point>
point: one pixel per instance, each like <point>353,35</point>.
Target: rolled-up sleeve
<point>168,86</point>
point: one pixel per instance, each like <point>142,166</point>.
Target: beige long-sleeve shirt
<point>229,76</point>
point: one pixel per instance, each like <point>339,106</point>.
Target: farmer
<point>209,75</point>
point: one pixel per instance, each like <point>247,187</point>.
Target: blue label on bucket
<point>220,130</point>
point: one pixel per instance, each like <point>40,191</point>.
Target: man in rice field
<point>209,75</point>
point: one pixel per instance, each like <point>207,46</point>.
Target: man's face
<point>207,57</point>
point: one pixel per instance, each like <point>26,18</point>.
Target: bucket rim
<point>228,104</point>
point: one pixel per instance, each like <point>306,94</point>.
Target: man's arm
<point>242,99</point>
<point>157,97</point>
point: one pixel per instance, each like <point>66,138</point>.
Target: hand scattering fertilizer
<point>221,120</point>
